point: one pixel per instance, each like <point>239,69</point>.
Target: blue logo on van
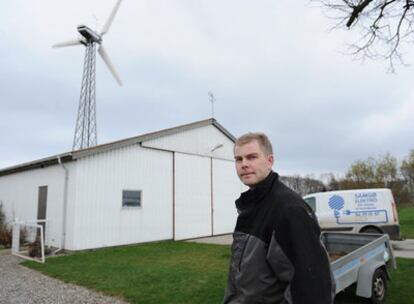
<point>336,202</point>
<point>366,215</point>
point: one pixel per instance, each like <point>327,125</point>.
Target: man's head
<point>253,154</point>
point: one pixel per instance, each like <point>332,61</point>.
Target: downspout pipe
<point>65,203</point>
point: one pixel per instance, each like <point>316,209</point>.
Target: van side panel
<point>352,210</point>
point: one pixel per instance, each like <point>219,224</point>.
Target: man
<point>277,256</point>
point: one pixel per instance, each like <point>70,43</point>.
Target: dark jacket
<point>277,256</point>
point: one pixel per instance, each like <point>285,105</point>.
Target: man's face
<point>252,164</point>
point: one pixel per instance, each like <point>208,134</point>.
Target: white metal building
<point>178,183</point>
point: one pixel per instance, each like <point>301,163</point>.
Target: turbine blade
<point>67,43</point>
<point>108,23</point>
<point>109,64</point>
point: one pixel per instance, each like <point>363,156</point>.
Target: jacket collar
<point>254,195</point>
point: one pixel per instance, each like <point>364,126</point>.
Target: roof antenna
<point>212,100</point>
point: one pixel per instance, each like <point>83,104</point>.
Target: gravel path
<point>20,285</point>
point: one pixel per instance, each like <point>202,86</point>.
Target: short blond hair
<point>261,139</point>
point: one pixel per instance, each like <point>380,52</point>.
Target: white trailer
<point>362,260</point>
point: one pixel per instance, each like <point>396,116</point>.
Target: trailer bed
<point>355,258</point>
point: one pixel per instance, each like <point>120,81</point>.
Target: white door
<point>192,204</point>
<point>226,189</point>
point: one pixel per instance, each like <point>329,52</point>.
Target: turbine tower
<point>85,131</point>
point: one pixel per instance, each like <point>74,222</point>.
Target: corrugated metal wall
<point>99,220</point>
<point>19,195</point>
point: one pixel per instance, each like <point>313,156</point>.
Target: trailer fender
<point>364,280</point>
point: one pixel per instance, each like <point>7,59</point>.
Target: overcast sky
<point>273,66</point>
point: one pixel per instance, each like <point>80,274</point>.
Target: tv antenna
<point>85,131</point>
<point>212,100</point>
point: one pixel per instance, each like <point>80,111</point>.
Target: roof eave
<point>73,155</point>
<point>40,163</point>
<point>149,136</point>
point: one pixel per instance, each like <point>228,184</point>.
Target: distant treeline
<point>382,172</point>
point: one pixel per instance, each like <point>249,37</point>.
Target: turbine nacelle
<point>89,34</point>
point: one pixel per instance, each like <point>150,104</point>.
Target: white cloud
<point>387,124</point>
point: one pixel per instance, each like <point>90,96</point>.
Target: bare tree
<point>386,26</point>
<point>386,169</point>
<point>362,172</point>
<point>303,185</point>
<point>374,172</point>
<point>331,181</point>
<point>407,170</point>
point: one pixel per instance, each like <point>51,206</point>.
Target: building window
<point>131,198</point>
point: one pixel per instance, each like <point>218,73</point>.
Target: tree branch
<point>357,9</point>
<point>386,26</point>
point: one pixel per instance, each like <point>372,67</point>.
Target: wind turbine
<point>85,131</point>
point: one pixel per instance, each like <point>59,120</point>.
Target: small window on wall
<point>131,198</point>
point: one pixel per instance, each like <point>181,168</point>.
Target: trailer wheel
<point>379,286</point>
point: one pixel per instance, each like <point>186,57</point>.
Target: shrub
<point>23,236</point>
<point>6,232</point>
<point>5,236</point>
<point>2,216</point>
<point>35,248</point>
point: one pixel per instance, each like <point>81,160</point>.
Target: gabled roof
<point>70,156</point>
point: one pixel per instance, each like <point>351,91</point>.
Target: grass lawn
<point>406,217</point>
<point>163,272</point>
<point>179,272</point>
